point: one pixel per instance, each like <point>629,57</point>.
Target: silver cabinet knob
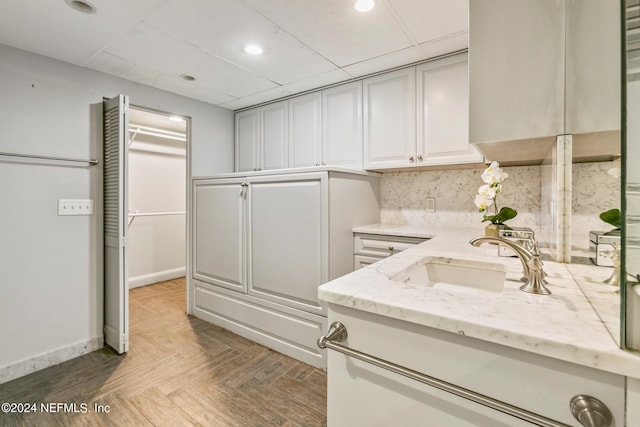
<point>419,157</point>
<point>391,248</point>
<point>411,159</point>
<point>590,412</point>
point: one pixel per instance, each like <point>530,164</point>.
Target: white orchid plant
<point>493,177</point>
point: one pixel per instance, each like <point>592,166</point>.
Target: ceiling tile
<point>432,19</point>
<point>335,30</point>
<point>167,56</point>
<point>51,28</point>
<point>385,62</point>
<point>118,67</point>
<point>446,45</point>
<point>314,82</point>
<point>223,27</point>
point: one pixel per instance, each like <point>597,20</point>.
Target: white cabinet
<point>419,116</point>
<point>516,75</point>
<point>274,136</point>
<point>220,242</point>
<point>262,244</point>
<point>443,113</point>
<point>390,120</point>
<point>342,125</point>
<point>370,248</point>
<point>288,223</point>
<point>592,84</point>
<point>538,384</point>
<point>261,138</point>
<point>305,130</point>
<point>248,140</point>
<point>556,72</point>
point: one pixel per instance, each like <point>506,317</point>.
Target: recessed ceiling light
<point>187,77</point>
<point>81,6</point>
<point>253,49</point>
<point>364,5</point>
<point>176,119</point>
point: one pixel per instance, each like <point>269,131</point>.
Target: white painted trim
<point>50,358</point>
<point>159,276</point>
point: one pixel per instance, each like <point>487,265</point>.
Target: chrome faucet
<point>531,263</point>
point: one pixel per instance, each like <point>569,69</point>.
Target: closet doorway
<point>157,185</point>
<point>146,166</point>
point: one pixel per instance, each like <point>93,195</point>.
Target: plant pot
<point>493,230</point>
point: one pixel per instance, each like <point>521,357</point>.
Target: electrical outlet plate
<point>430,205</point>
<point>75,207</point>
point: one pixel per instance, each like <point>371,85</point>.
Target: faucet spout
<point>531,264</point>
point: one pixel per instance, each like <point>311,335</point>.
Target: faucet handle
<point>535,283</point>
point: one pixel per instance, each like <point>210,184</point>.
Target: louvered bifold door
<point>116,287</point>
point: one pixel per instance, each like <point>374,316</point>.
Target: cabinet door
<point>247,140</point>
<point>516,69</point>
<point>390,120</point>
<point>342,125</point>
<point>288,239</point>
<point>219,232</point>
<point>443,113</point>
<point>274,136</point>
<point>305,131</point>
<point>593,68</point>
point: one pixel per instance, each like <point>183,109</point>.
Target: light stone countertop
<point>563,325</point>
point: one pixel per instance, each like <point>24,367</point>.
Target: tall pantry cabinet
<point>264,242</point>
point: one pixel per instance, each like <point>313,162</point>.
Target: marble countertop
<point>563,325</point>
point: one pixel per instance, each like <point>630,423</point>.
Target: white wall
<point>157,183</point>
<point>51,266</point>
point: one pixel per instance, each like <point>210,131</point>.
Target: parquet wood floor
<point>180,371</point>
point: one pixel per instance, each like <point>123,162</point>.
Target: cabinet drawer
<point>383,246</point>
<point>533,382</point>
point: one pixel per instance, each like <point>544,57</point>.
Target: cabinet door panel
<point>247,140</point>
<point>517,71</point>
<point>389,119</point>
<point>305,130</point>
<point>443,113</point>
<point>342,125</point>
<point>218,235</point>
<point>287,241</point>
<point>274,136</point>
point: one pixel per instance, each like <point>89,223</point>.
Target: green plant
<point>612,216</point>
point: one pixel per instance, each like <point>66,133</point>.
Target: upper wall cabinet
<point>516,61</point>
<point>247,136</point>
<point>592,85</point>
<point>555,72</point>
<point>390,120</point>
<point>342,125</point>
<point>305,130</point>
<point>443,113</point>
<point>261,138</point>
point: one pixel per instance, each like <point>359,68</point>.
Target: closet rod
<point>156,213</point>
<point>91,162</point>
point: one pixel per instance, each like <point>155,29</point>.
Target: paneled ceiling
<point>307,43</point>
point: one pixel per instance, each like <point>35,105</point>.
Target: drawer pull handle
<point>391,248</point>
<point>590,412</point>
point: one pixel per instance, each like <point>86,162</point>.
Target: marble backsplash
<point>404,197</point>
<point>404,194</point>
<point>595,189</point>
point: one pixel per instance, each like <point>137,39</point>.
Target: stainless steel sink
<point>454,274</point>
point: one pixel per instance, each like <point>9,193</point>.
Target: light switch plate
<point>430,204</point>
<point>75,207</point>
